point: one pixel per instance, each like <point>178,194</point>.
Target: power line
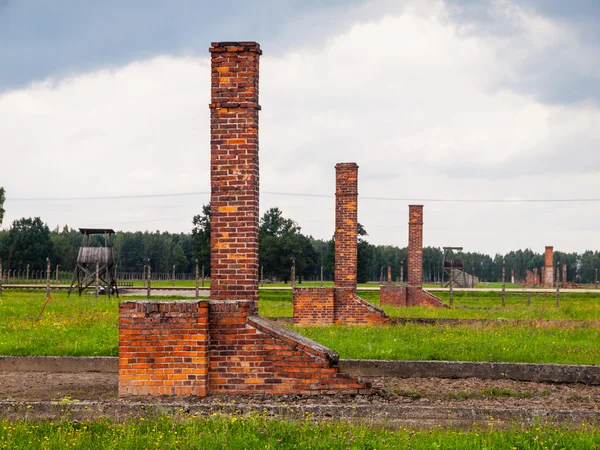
<point>108,197</point>
<point>300,194</point>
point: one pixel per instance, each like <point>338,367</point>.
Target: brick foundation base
<point>402,296</point>
<point>390,295</point>
<point>339,306</point>
<point>314,306</point>
<point>216,347</point>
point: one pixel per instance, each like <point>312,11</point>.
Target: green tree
<point>201,238</point>
<point>29,243</point>
<point>281,243</point>
<point>364,258</point>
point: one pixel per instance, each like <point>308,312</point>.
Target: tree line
<point>28,241</point>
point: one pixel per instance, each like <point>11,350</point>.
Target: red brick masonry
<point>413,294</point>
<point>200,348</point>
<point>221,346</point>
<point>340,305</point>
<point>548,272</point>
<point>234,171</point>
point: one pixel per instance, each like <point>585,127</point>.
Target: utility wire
<point>298,194</point>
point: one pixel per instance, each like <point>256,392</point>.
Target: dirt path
<point>471,392</point>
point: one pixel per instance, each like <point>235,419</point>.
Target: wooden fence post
<point>148,279</point>
<point>198,281</point>
<point>503,285</point>
<point>97,280</point>
<point>48,274</point>
<point>557,285</point>
<point>321,276</point>
<point>293,273</point>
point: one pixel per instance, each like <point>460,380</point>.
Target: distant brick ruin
<point>413,294</point>
<point>548,272</point>
<point>340,304</point>
<point>222,346</point>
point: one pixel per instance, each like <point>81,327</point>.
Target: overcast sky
<point>435,100</point>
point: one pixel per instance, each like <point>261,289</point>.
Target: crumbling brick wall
<point>348,308</point>
<point>222,346</point>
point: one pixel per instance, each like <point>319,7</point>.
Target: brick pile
<point>221,346</point>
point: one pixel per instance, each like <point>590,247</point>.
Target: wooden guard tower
<point>85,273</point>
<point>453,269</point>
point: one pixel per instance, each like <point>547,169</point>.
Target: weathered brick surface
<point>350,309</point>
<point>346,224</point>
<point>234,171</point>
<point>413,294</point>
<point>347,308</point>
<point>548,273</point>
<point>314,306</point>
<point>250,355</point>
<point>216,347</point>
<point>415,245</point>
<point>221,346</point>
<point>163,348</point>
<point>417,296</point>
<point>390,295</point>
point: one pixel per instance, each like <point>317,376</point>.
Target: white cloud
<point>411,98</point>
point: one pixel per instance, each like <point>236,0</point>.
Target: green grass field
<point>502,342</point>
<point>256,431</point>
<point>82,326</point>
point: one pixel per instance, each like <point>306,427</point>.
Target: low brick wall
<point>163,348</point>
<point>217,347</point>
<point>313,306</point>
<point>402,296</point>
<point>417,296</point>
<point>390,295</point>
<point>350,309</point>
<point>327,306</point>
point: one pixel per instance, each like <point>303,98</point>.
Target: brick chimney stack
<point>234,174</point>
<point>346,225</point>
<point>548,267</point>
<point>415,246</point>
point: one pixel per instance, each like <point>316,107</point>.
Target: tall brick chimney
<point>415,246</point>
<point>234,175</point>
<point>413,294</point>
<point>548,267</point>
<point>341,304</point>
<point>346,225</point>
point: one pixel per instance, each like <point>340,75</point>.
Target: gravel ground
<point>471,392</point>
